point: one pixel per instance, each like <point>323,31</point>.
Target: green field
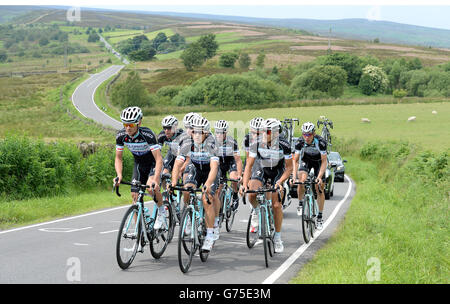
<point>388,121</point>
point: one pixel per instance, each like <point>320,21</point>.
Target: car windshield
<point>334,156</point>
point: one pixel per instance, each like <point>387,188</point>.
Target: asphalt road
<point>83,98</point>
<point>81,249</point>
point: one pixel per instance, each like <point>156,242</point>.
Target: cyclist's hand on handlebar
<point>242,190</point>
<point>116,181</point>
<point>319,182</point>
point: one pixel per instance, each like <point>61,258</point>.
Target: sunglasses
<point>307,134</point>
<point>167,128</point>
<point>131,125</point>
<point>199,133</point>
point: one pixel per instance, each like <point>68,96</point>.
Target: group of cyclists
<point>198,157</point>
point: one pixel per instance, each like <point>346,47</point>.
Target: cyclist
<point>169,136</point>
<point>269,159</point>
<point>230,161</point>
<point>255,134</point>
<point>142,143</point>
<point>311,153</point>
<point>203,168</point>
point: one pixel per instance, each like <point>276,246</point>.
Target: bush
<point>373,80</point>
<point>244,61</point>
<point>319,82</point>
<point>227,60</point>
<point>229,90</point>
<point>169,91</point>
<point>131,92</point>
<point>399,93</point>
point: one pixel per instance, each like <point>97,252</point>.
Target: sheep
<point>412,118</point>
<point>433,112</point>
<point>365,120</point>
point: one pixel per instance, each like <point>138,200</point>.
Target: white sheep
<point>412,118</point>
<point>433,112</point>
<point>365,120</point>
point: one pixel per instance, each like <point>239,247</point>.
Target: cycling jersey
<point>173,144</point>
<point>249,140</point>
<point>200,155</point>
<point>140,145</point>
<point>227,149</point>
<point>271,157</point>
<point>311,152</point>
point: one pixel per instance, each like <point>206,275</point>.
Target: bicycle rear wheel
<point>160,238</point>
<point>128,237</point>
<point>186,243</point>
<point>265,237</point>
<point>306,220</point>
<point>252,237</point>
<point>230,214</point>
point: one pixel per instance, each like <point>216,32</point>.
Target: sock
<point>161,209</point>
<point>320,215</point>
<point>277,235</point>
<point>216,222</point>
<point>209,232</point>
<point>235,195</point>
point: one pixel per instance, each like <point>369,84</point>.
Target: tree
<point>93,37</point>
<point>3,56</point>
<point>209,43</point>
<point>131,92</point>
<point>373,80</point>
<point>160,38</point>
<point>177,40</point>
<point>244,61</point>
<point>319,82</point>
<point>193,56</point>
<point>143,54</point>
<point>43,41</point>
<point>227,60</point>
<point>350,63</point>
<point>260,60</point>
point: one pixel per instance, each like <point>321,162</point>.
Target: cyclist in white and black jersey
<point>269,159</point>
<point>254,135</point>
<point>230,161</point>
<point>202,169</point>
<point>311,153</point>
<point>142,143</point>
<point>169,136</point>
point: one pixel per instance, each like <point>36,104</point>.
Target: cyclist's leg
<point>256,181</point>
<point>302,174</point>
<point>136,176</point>
<point>320,195</point>
<point>276,204</point>
<point>189,180</point>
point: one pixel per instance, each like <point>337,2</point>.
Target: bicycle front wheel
<point>230,214</point>
<point>306,220</point>
<point>186,243</point>
<point>252,237</point>
<point>160,238</point>
<point>128,238</point>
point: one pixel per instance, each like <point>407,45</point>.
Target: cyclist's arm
<point>176,170</point>
<point>295,166</point>
<point>118,163</point>
<point>214,168</point>
<point>158,167</point>
<point>238,160</point>
<point>323,166</point>
<point>248,170</point>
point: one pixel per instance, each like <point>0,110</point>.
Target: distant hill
<point>361,29</point>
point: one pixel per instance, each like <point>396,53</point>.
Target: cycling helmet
<point>257,123</point>
<point>188,117</point>
<point>131,115</point>
<point>308,127</point>
<point>221,125</point>
<point>199,123</point>
<point>272,124</point>
<point>169,121</point>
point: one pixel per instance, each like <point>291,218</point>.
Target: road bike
<point>325,131</point>
<point>174,201</point>
<point>136,229</point>
<point>192,231</point>
<point>266,224</point>
<point>226,203</point>
<point>310,208</point>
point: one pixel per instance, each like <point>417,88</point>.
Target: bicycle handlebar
<point>137,184</point>
<point>190,190</point>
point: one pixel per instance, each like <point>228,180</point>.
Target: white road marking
<point>64,230</point>
<point>280,270</point>
<point>111,231</point>
<point>80,244</point>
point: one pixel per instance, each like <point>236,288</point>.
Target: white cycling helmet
<point>257,123</point>
<point>272,124</point>
<point>131,115</point>
<point>199,123</point>
<point>221,125</point>
<point>169,121</point>
<point>308,127</point>
<point>188,117</point>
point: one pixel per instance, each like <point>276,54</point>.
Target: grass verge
<point>398,216</point>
